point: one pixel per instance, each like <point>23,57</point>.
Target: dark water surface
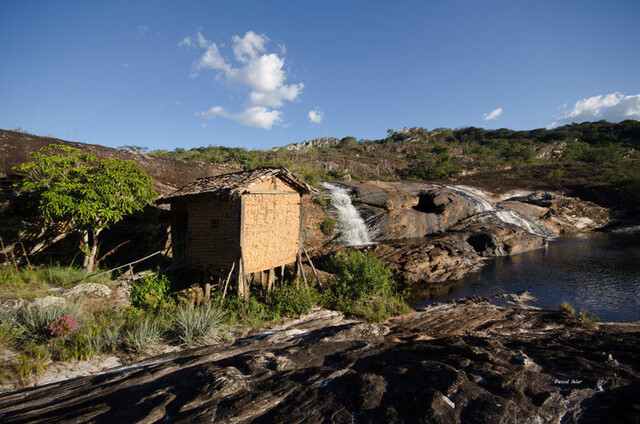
<point>596,272</point>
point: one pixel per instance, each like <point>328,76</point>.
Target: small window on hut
<point>215,224</point>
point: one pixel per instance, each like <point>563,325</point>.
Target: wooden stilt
<point>313,268</point>
<point>301,268</point>
<point>271,276</point>
<point>207,290</point>
<point>226,284</point>
<point>242,283</point>
<point>281,274</point>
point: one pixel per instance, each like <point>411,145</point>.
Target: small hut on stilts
<point>240,226</point>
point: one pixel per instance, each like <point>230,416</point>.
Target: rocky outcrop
<point>403,210</point>
<point>310,144</point>
<point>454,254</point>
<point>560,214</point>
<point>470,361</point>
<point>434,260</point>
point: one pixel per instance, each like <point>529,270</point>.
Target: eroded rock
<point>468,361</point>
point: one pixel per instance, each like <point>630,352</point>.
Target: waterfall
<point>353,230</point>
<point>481,204</point>
<point>507,216</point>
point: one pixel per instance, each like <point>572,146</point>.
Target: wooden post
<point>243,290</point>
<point>226,284</point>
<point>271,275</point>
<point>282,273</point>
<point>301,268</point>
<point>313,268</point>
<point>207,290</point>
<point>263,281</point>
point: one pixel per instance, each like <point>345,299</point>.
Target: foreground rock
<point>466,362</point>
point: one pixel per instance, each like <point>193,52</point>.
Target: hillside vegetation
<point>600,155</point>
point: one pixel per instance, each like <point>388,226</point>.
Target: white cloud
<point>255,116</point>
<point>248,47</point>
<point>186,41</point>
<point>276,97</point>
<point>213,112</point>
<point>259,117</point>
<point>179,103</point>
<point>143,29</point>
<point>125,65</point>
<point>493,114</point>
<point>251,67</point>
<point>315,116</point>
<point>614,107</point>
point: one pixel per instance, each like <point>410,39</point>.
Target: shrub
<point>377,308</point>
<point>567,308</point>
<point>150,291</point>
<point>252,313</point>
<point>588,318</point>
<point>363,288</point>
<point>289,300</point>
<point>359,275</point>
<point>328,226</point>
<point>196,324</point>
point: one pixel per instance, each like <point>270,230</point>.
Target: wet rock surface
<point>470,361</point>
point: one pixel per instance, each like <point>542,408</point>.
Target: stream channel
<point>597,272</point>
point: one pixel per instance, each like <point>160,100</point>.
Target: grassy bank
<point>361,288</point>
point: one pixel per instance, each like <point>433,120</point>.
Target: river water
<point>597,272</point>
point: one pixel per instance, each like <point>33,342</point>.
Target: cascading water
<point>352,228</point>
<point>505,215</point>
<point>481,204</point>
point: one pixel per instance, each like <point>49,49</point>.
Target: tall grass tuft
<point>35,320</point>
<point>143,336</point>
<point>197,324</point>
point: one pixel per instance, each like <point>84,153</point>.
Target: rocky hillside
<point>167,173</point>
<point>469,361</point>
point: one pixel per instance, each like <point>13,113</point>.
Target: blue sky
<point>258,74</point>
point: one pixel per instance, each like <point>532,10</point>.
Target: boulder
<point>562,214</point>
<point>13,304</point>
<point>447,258</point>
<point>47,301</point>
<point>88,290</point>
<point>490,241</point>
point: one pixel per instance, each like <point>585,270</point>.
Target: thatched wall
<point>271,230</point>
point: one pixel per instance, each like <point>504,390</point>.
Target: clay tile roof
<point>236,184</point>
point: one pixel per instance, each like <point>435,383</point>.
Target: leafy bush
<point>150,291</point>
<point>359,275</point>
<point>289,300</point>
<point>196,324</point>
<point>363,288</point>
<point>328,226</point>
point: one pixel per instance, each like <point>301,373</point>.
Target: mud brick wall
<point>271,184</point>
<point>214,234</point>
<point>271,229</point>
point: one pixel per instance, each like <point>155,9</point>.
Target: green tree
<point>83,193</point>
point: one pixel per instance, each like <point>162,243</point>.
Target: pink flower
<point>62,326</point>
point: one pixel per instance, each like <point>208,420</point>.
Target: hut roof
<point>236,184</point>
